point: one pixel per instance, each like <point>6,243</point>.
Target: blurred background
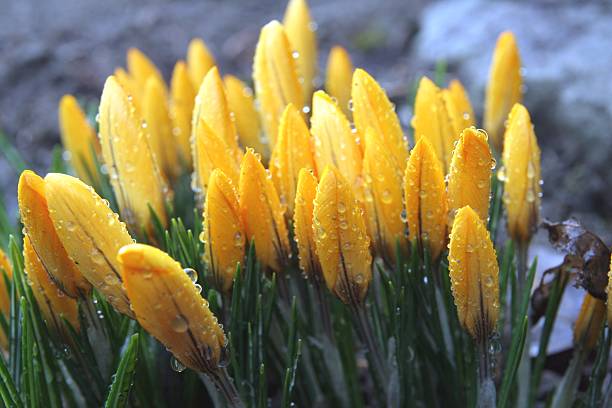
<point>52,47</point>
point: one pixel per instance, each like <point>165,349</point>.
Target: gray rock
<point>566,52</point>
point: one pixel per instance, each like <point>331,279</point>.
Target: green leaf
<point>124,377</point>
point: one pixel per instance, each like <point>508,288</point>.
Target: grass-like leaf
<point>118,395</point>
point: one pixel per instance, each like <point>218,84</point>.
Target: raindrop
<point>192,274</point>
<point>179,324</point>
<point>177,365</point>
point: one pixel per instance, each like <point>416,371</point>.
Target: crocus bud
<point>199,61</point>
<point>425,199</point>
<point>141,68</point>
<point>302,224</point>
<point>211,152</point>
<point>469,180</point>
<point>338,77</point>
<point>334,142</point>
<point>301,32</point>
<point>91,234</point>
<point>293,151</point>
<point>342,243</point>
<point>79,139</point>
<point>372,108</point>
<point>262,214</point>
<point>460,110</point>
<point>5,295</point>
<point>474,274</point>
<point>222,232</point>
<point>134,175</point>
<point>590,321</point>
<point>211,107</point>
<point>33,195</point>
<point>181,108</point>
<point>276,77</point>
<point>168,305</point>
<point>129,84</point>
<point>432,121</point>
<point>157,120</point>
<point>521,173</point>
<point>54,305</point>
<point>383,195</point>
<point>504,88</point>
<point>241,103</point>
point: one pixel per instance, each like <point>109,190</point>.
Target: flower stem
<point>226,387</point>
<point>486,386</point>
<point>323,309</point>
<point>367,335</point>
<point>524,369</point>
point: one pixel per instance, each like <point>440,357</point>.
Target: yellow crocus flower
<point>91,234</point>
<point>276,78</point>
<point>339,77</point>
<point>168,305</point>
<point>210,152</point>
<point>211,107</point>
<point>5,296</point>
<point>140,68</point>
<point>300,29</point>
<point>303,224</point>
<point>262,213</point>
<point>134,175</point>
<point>157,119</point>
<point>79,139</point>
<point>383,195</point>
<point>32,194</point>
<point>521,173</point>
<point>474,274</point>
<point>199,61</point>
<point>469,180</point>
<point>223,234</point>
<point>129,84</point>
<point>293,151</point>
<point>504,88</point>
<point>372,108</point>
<point>432,121</point>
<point>242,104</point>
<point>425,198</point>
<point>589,323</point>
<point>54,305</point>
<point>334,142</point>
<point>181,108</point>
<point>462,111</point>
<point>342,243</point>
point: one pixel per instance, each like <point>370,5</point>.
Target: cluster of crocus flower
<point>331,168</point>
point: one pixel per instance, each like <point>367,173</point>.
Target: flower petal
<point>199,61</point>
<point>339,77</point>
<point>181,109</point>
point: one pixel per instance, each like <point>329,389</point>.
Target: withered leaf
<point>541,295</point>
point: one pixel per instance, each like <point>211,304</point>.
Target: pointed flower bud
<point>334,141</point>
<point>129,84</point>
<point>5,295</point>
<point>54,305</point>
<point>168,305</point>
<point>211,106</point>
<point>141,68</point>
<point>199,61</point>
<point>302,223</point>
<point>222,235</point>
<point>134,174</point>
<point>590,321</point>
<point>262,214</point>
<point>469,180</point>
<point>504,88</point>
<point>474,274</point>
<point>211,152</point>
<point>90,233</point>
<point>372,108</point>
<point>425,198</point>
<point>301,31</point>
<point>383,195</point>
<point>339,76</point>
<point>34,210</point>
<point>342,243</point>
<point>241,103</point>
<point>521,173</point>
<point>181,108</point>
<point>459,106</point>
<point>275,76</point>
<point>432,121</point>
<point>157,120</point>
<point>79,139</point>
<point>293,151</point>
